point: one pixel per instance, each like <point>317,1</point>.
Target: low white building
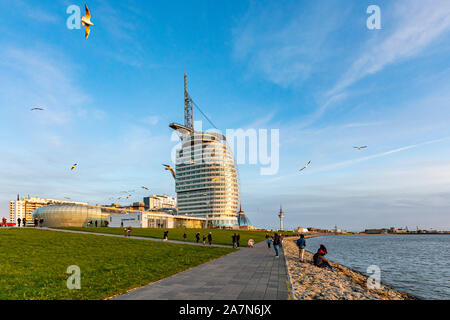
<point>154,202</point>
<point>155,220</point>
<point>302,230</point>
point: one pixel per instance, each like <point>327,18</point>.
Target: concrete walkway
<point>248,274</point>
<point>138,238</point>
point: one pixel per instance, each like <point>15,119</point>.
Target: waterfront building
<point>206,177</point>
<point>23,208</point>
<point>154,202</point>
<point>83,215</point>
<point>149,219</point>
<point>243,221</point>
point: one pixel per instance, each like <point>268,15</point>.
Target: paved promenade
<point>248,274</point>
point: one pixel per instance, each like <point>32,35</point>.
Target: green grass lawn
<point>220,236</point>
<point>33,263</point>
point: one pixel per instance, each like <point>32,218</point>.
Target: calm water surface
<point>416,264</point>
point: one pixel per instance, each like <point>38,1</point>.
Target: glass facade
<point>74,215</point>
<point>207,179</point>
<point>243,220</point>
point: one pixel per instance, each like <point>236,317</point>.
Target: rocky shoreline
<point>312,283</point>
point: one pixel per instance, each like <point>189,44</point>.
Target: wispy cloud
<point>284,45</point>
<point>45,81</point>
<point>36,13</point>
<point>378,155</point>
<point>419,23</point>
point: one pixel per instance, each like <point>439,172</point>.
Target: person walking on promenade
<point>184,236</point>
<point>276,243</point>
<point>204,239</point>
<point>238,239</point>
<point>121,224</point>
<point>197,237</point>
<point>125,230</point>
<point>233,237</point>
<point>269,242</point>
<point>210,238</point>
<point>96,223</point>
<point>41,222</point>
<point>129,231</point>
<point>24,222</point>
<point>36,222</point>
<point>166,235</point>
<point>4,222</point>
<point>301,244</point>
<point>18,222</point>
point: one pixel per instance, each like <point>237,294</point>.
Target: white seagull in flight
<point>86,21</point>
<point>170,168</point>
<point>360,148</point>
<point>307,165</point>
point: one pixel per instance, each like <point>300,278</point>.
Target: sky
<point>311,69</point>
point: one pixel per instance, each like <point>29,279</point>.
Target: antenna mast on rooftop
<point>188,115</point>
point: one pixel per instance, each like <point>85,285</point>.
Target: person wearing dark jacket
<point>238,240</point>
<point>301,244</point>
<point>276,244</point>
<point>18,222</point>
<point>210,238</point>
<point>233,237</point>
<point>197,236</point>
<point>319,258</point>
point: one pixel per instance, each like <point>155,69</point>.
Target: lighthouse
<point>281,215</point>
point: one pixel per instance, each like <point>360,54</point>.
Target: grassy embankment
<point>220,236</point>
<point>33,263</point>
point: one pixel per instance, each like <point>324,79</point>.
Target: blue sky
<point>309,68</point>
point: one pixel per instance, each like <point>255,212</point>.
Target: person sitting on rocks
<point>319,258</point>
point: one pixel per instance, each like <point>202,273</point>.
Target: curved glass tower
<point>206,178</point>
<point>207,183</point>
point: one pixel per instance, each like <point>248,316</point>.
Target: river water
<point>416,264</point>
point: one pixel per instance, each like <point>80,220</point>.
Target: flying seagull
<point>33,109</point>
<point>307,165</point>
<point>144,188</point>
<point>74,166</point>
<point>170,168</point>
<point>86,21</point>
<point>360,148</point>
